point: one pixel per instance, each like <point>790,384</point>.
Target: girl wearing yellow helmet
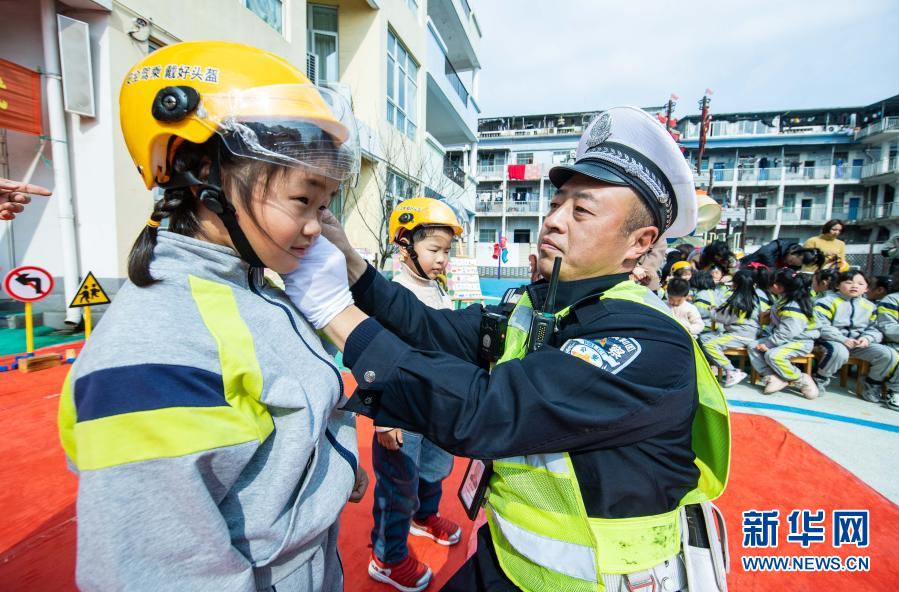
<point>202,415</point>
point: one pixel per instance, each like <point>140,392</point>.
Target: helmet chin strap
<point>410,249</point>
<point>213,197</point>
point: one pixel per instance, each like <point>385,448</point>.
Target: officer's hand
<point>360,486</point>
<point>391,440</point>
<point>334,232</point>
<point>318,287</point>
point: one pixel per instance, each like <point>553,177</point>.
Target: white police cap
<point>628,146</point>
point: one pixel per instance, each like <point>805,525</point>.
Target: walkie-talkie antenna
<point>553,284</point>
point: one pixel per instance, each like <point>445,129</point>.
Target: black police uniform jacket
<point>627,428</point>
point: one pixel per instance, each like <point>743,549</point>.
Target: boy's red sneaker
<point>408,575</point>
<point>443,531</point>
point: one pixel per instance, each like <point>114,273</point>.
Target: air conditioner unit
<point>312,67</point>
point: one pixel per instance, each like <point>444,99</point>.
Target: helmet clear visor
<point>291,125</point>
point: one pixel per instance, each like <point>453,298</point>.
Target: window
<point>524,158</point>
<point>398,186</point>
<point>560,156</point>
<point>153,44</point>
<point>487,235</point>
<point>521,235</point>
<point>402,88</point>
<point>271,11</point>
<point>321,23</point>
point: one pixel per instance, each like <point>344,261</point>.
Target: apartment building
<point>784,172</point>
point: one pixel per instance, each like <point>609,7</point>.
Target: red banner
<point>20,99</point>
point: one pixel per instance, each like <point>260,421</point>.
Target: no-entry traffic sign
<point>28,283</point>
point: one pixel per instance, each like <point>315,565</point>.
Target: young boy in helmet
<point>410,469</point>
<point>202,415</point>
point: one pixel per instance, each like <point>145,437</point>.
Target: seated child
<point>706,297</point>
<point>884,291</point>
<point>793,334</point>
<point>737,325</point>
<point>682,310</point>
<point>847,323</point>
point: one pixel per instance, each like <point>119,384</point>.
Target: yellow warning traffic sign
<point>90,293</point>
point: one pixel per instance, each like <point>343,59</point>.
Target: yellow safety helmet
<point>680,265</point>
<point>262,106</point>
<point>421,211</point>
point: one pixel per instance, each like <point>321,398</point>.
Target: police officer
<point>599,438</point>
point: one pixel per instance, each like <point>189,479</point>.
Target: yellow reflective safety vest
<point>544,538</point>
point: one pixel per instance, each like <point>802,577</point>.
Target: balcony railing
<point>881,167</point>
<point>847,173</point>
<point>529,205</point>
<point>455,81</point>
<point>804,173</point>
<point>847,213</point>
<point>490,203</point>
<point>774,175</point>
<point>881,211</point>
<point>885,124</point>
<point>768,215</point>
<point>537,131</point>
<point>454,173</point>
<point>491,171</point>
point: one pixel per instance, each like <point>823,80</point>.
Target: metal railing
<point>529,205</point>
<point>881,211</point>
<point>847,213</point>
<point>804,173</point>
<point>491,171</point>
<point>536,131</point>
<point>881,167</point>
<point>454,173</point>
<point>885,124</point>
<point>757,175</point>
<point>847,173</point>
<point>770,174</point>
<point>488,203</point>
<point>768,215</point>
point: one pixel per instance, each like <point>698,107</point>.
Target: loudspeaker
<point>75,60</point>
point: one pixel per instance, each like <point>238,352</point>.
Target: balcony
<point>884,166</point>
<point>848,214</point>
<point>796,215</point>
<point>790,175</point>
<point>887,124</point>
<point>881,212</point>
<point>458,26</point>
<point>491,172</point>
<point>567,130</point>
<point>491,203</point>
<point>452,115</point>
<point>454,173</point>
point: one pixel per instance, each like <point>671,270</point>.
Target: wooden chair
<point>804,361</point>
<point>734,352</point>
<point>863,368</point>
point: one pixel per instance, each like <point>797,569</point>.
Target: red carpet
<point>772,470</point>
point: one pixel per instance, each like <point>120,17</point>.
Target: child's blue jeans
<point>409,485</point>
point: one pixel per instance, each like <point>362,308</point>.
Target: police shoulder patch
<point>612,354</point>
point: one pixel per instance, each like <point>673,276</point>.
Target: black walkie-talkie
<point>543,324</point>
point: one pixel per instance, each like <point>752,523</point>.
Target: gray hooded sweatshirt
<point>202,419</point>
